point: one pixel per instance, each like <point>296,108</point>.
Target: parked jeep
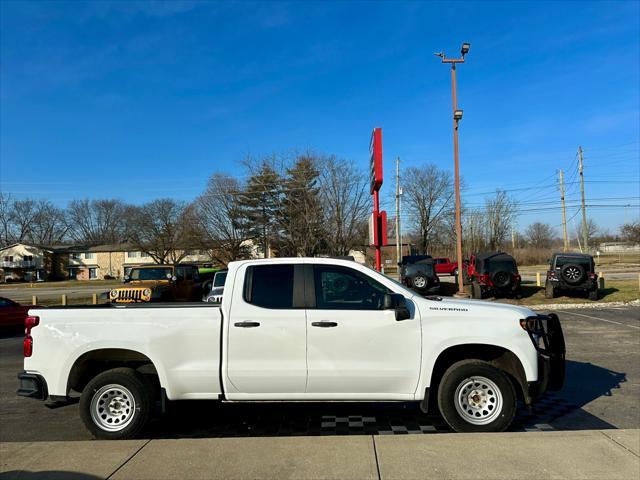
<point>418,273</point>
<point>164,283</point>
<point>571,272</point>
<point>493,273</point>
<point>214,295</point>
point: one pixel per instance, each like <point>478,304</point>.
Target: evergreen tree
<point>260,204</point>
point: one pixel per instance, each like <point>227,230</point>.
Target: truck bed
<point>185,336</point>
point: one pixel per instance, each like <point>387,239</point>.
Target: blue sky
<point>138,100</point>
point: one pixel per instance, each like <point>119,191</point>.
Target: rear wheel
<point>116,404</point>
<point>549,291</point>
<point>474,396</point>
<point>420,282</point>
<point>476,290</point>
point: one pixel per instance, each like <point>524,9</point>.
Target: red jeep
<point>445,267</point>
<point>494,273</point>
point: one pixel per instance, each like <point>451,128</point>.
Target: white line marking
<point>602,319</point>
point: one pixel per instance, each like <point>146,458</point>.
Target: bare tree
<point>6,234</point>
<point>345,205</point>
<point>163,230</point>
<point>501,212</point>
<point>428,198</point>
<point>98,221</point>
<point>539,235</point>
<point>474,230</point>
<point>49,224</point>
<point>592,230</point>
<point>219,214</point>
<point>22,216</point>
<point>630,232</point>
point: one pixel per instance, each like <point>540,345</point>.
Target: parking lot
<point>601,392</point>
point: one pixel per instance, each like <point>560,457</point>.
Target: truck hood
<point>479,308</point>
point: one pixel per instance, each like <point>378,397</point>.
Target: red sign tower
<point>378,221</point>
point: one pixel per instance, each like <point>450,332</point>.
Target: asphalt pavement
<point>601,392</point>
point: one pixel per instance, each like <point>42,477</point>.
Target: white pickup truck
<point>295,329</point>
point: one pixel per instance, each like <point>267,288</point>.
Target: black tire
<point>476,290</point>
<point>549,291</point>
<point>593,295</point>
<point>573,273</point>
<point>456,379</point>
<point>127,379</point>
<point>501,279</point>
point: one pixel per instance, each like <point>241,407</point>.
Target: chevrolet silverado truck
<point>294,329</point>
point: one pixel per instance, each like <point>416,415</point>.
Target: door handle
<point>246,324</point>
<point>324,324</point>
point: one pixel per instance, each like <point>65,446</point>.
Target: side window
<point>269,286</point>
<point>195,274</point>
<point>342,288</point>
<point>180,273</point>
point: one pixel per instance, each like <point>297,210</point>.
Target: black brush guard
<point>546,334</point>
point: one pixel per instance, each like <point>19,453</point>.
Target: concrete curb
<point>594,454</point>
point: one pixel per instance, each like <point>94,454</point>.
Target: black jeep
<point>571,272</point>
<point>493,273</point>
<point>418,273</point>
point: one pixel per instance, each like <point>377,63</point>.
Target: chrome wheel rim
<point>112,407</point>
<point>572,273</point>
<point>478,400</point>
<point>420,282</point>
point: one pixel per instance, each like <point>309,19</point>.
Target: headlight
<point>146,292</point>
<point>113,294</point>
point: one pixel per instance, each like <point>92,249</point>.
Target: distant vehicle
<point>206,277</point>
<point>12,314</point>
<point>571,273</point>
<point>165,283</point>
<point>417,272</point>
<point>444,266</point>
<point>493,273</point>
<point>217,287</point>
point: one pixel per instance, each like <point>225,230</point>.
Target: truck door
<point>353,345</point>
<point>267,332</point>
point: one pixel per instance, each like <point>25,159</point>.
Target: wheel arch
<point>497,356</point>
<point>93,362</point>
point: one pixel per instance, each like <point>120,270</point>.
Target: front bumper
<point>32,386</point>
<point>548,338</point>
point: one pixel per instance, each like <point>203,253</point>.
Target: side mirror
<point>174,278</point>
<point>397,302</point>
<point>125,279</point>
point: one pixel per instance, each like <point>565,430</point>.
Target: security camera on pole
<point>378,219</point>
<point>457,116</point>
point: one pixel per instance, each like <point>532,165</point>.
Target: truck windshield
<point>156,273</point>
<point>219,279</point>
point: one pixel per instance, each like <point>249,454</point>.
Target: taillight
<point>593,275</point>
<point>27,345</point>
<point>485,278</point>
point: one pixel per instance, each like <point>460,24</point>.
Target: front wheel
<point>116,404</point>
<point>474,396</point>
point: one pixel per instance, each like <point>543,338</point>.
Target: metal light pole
<point>457,116</point>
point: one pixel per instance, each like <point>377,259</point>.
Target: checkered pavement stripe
<point>375,420</point>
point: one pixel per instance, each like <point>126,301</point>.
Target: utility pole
<point>513,239</point>
<point>564,215</point>
<point>457,116</point>
<point>398,234</point>
<point>585,233</point>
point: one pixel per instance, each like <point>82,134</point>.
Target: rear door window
<point>269,286</point>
